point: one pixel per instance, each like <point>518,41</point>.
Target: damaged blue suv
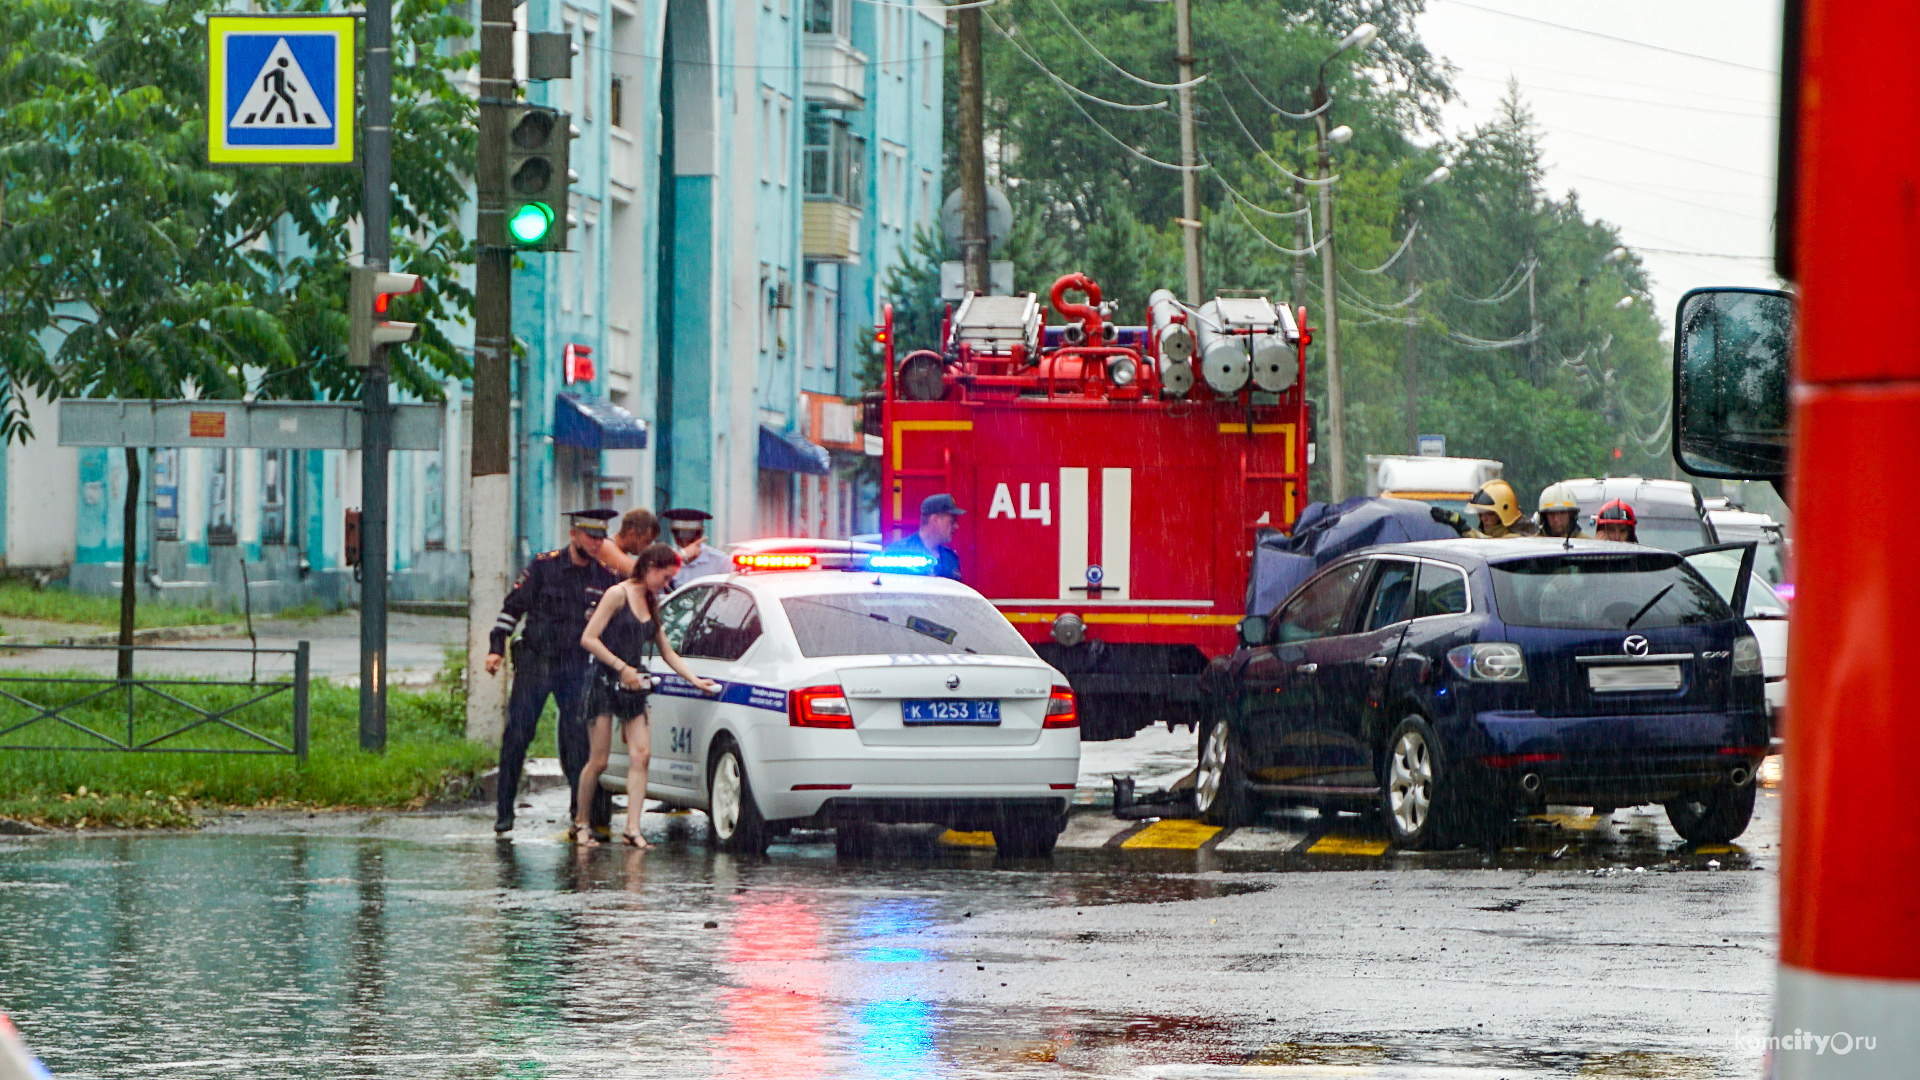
<point>1454,683</point>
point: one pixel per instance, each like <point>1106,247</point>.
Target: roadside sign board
<point>280,90</point>
<point>272,425</point>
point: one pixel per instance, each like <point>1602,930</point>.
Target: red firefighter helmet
<point>1618,512</point>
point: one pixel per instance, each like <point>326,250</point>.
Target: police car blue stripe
<point>731,693</point>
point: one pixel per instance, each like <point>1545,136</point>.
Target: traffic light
<point>368,312</point>
<point>538,141</point>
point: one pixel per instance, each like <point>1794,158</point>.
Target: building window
<point>586,83</point>
<point>276,481</point>
<point>766,136</point>
<point>827,17</point>
<point>589,262</point>
<point>614,89</point>
<point>220,504</point>
<point>926,198</point>
<point>785,116</point>
<point>835,161</point>
<point>926,75</point>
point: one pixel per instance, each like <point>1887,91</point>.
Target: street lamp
<point>1358,38</point>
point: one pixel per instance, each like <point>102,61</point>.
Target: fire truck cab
<point>1115,476</point>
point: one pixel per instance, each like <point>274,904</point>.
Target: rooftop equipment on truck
<point>1117,476</point>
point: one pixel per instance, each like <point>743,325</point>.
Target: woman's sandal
<point>633,841</point>
<point>582,836</point>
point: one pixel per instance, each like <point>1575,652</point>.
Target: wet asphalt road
<point>415,946</point>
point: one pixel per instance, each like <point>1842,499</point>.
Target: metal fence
<point>150,714</point>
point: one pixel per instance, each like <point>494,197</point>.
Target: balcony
<point>830,231</point>
<point>836,72</point>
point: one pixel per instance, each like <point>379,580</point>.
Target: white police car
<point>855,693</point>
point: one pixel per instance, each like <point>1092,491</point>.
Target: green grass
<point>19,601</point>
<point>427,757</point>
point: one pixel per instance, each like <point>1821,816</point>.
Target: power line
<point>1700,254</point>
<point>1611,37</point>
<point>1098,126</point>
<point>1675,198</point>
<point>1536,87</point>
<point>1096,51</point>
<point>1613,80</point>
<point>1065,85</point>
<point>1651,150</point>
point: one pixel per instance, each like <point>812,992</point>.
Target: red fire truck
<point>1115,476</point>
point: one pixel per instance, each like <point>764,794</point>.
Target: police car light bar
<point>908,563</point>
<point>773,561</point>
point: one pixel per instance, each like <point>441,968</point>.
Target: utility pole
<point>1410,357</point>
<point>377,418</point>
<point>1330,320</point>
<point>1189,155</point>
<point>973,151</point>
<point>490,501</point>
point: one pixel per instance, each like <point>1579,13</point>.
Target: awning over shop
<point>789,451</point>
<point>597,425</point>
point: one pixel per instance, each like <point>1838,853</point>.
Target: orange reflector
<point>773,562</point>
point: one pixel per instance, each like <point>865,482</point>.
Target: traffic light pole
<point>490,498</point>
<point>376,423</point>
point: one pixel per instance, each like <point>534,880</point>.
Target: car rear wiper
<point>1649,605</point>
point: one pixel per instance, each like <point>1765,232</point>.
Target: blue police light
<point>912,564</point>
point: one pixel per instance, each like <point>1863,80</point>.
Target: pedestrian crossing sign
<point>280,89</point>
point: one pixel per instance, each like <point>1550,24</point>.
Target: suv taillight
<point>819,707</point>
<point>1061,712</point>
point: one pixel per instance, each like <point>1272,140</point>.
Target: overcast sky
<point>1675,150</point>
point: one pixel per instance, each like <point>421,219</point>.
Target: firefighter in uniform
<point>555,593</point>
<point>1499,510</point>
<point>1560,513</point>
<point>1615,521</point>
<point>697,557</point>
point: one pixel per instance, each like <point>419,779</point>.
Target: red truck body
<point>1123,505</point>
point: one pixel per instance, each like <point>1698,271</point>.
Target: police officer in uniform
<point>555,594</point>
<point>939,519</point>
<point>697,557</point>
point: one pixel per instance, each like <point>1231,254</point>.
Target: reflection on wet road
<point>439,954</point>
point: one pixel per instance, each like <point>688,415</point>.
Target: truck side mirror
<point>1732,372</point>
<point>1253,631</point>
<point>871,403</point>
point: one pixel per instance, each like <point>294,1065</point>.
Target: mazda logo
<point>953,681</point>
<point>1634,646</point>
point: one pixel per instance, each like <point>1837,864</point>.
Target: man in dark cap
<point>555,594</point>
<point>697,557</point>
<point>939,519</point>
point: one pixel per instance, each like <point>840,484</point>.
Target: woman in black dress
<point>623,625</point>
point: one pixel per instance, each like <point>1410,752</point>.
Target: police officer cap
<point>593,522</point>
<point>685,520</point>
<point>939,504</point>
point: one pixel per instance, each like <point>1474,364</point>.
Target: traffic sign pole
<point>376,215</point>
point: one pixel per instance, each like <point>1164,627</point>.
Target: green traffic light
<point>530,223</point>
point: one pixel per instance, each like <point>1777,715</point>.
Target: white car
<point>854,696</point>
<point>1766,616</point>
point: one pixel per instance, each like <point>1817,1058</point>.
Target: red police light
<point>577,363</point>
<point>774,561</point>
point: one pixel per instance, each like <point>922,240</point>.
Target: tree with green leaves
<point>131,268</point>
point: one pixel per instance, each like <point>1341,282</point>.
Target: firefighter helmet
<point>1497,496</point>
<point>1618,512</point>
<point>1558,497</point>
